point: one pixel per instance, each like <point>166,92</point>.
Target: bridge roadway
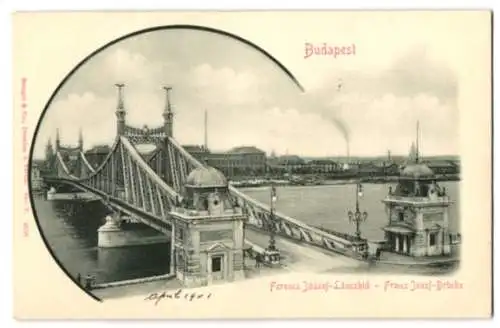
<point>297,257</point>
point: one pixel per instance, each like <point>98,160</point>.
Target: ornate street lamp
<point>274,198</point>
<point>357,217</point>
<point>272,254</point>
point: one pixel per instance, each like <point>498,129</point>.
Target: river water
<point>70,228</point>
<point>328,205</point>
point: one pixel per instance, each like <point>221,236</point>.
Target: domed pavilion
<point>208,231</point>
<point>206,189</point>
<point>418,212</point>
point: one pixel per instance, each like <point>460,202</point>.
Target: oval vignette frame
<point>90,56</point>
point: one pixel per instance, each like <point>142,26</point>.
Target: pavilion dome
<point>203,177</point>
<point>417,171</point>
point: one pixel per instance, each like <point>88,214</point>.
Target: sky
<point>251,101</point>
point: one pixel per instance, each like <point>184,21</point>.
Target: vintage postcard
<point>252,164</point>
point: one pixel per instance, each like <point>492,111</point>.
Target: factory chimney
<point>206,132</point>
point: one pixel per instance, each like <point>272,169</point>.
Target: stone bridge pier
<point>57,191</point>
<point>123,231</point>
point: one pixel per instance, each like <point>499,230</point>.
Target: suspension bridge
<point>149,186</point>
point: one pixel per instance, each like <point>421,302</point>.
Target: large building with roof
<point>238,161</point>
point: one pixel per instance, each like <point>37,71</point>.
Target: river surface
<point>70,228</point>
<point>328,205</point>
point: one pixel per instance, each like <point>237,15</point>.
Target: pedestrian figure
<point>258,260</point>
<point>88,282</point>
<point>377,253</point>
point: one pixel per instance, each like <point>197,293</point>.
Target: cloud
<point>118,65</point>
<point>411,73</point>
<point>389,122</point>
<point>415,72</point>
<point>85,111</point>
<point>223,91</point>
<point>225,86</point>
<point>248,105</point>
<point>377,110</point>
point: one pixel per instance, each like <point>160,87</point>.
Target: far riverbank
<point>256,182</point>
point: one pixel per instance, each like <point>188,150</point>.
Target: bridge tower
<point>418,212</point>
<point>78,165</point>
<point>49,151</point>
<point>80,140</point>
<point>58,140</point>
<point>208,231</point>
<point>120,111</point>
<point>49,157</point>
<point>168,115</point>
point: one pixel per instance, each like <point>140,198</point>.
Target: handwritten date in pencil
<point>178,295</point>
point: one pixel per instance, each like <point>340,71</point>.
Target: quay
<point>264,182</point>
<point>133,281</point>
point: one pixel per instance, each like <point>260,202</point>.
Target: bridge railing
<point>436,199</point>
<point>281,216</point>
<point>306,233</point>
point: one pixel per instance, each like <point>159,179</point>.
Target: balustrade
<point>416,199</point>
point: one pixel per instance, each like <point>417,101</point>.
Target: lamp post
<point>272,241</point>
<point>357,217</point>
<point>271,254</point>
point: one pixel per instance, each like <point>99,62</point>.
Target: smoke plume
<point>326,102</point>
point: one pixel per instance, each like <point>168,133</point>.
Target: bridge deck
<point>298,257</point>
